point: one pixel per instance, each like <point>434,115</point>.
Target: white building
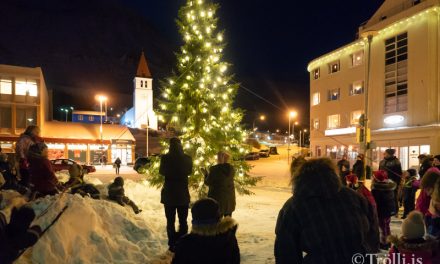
<point>403,86</point>
<point>142,111</point>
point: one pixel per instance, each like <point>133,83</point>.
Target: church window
<point>142,83</point>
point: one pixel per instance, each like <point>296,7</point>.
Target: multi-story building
<point>396,63</point>
<point>89,117</point>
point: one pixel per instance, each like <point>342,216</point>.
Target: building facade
<point>88,117</point>
<point>391,73</point>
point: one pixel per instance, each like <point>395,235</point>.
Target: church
<point>141,115</point>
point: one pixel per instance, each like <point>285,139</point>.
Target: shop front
<point>77,152</point>
<point>56,150</point>
<point>122,149</point>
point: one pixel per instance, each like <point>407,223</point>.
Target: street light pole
<point>67,112</point>
<point>292,114</point>
<point>147,133</point>
<point>105,102</point>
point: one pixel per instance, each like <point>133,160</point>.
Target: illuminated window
<point>396,78</point>
<point>357,58</point>
<point>316,98</point>
<point>316,73</point>
<point>333,95</point>
<point>5,86</point>
<point>354,117</point>
<point>333,67</point>
<point>91,118</point>
<point>356,88</point>
<point>332,121</point>
<point>26,87</point>
<point>80,117</point>
<point>316,124</point>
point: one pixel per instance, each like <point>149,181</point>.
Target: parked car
<point>264,153</point>
<point>252,156</point>
<point>64,164</point>
<point>140,165</point>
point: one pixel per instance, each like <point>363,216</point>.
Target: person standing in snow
<point>212,238</point>
<point>409,189</point>
<point>391,164</point>
<point>116,193</point>
<point>30,136</point>
<point>358,167</point>
<point>323,222</point>
<point>175,167</point>
<point>221,184</point>
<point>344,168</point>
<point>117,165</point>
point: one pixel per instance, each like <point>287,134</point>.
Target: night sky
<point>270,44</point>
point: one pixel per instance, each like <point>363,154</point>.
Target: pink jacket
<point>423,201</point>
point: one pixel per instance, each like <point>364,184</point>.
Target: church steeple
<point>142,70</point>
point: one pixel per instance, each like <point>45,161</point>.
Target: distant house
<point>89,117</point>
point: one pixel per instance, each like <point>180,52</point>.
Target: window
<point>354,117</point>
<point>26,87</point>
<point>333,95</point>
<point>356,88</point>
<point>316,73</point>
<point>357,58</point>
<point>316,124</point>
<point>333,67</point>
<point>396,79</point>
<point>332,121</point>
<point>316,98</point>
<point>91,118</point>
<point>5,86</point>
<point>5,117</point>
<point>26,116</point>
<point>80,117</point>
<point>142,83</point>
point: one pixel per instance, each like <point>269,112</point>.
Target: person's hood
<point>387,185</point>
<point>223,226</point>
<point>402,244</point>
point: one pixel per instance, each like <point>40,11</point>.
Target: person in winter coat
<point>436,161</point>
<point>425,162</point>
<point>17,235</point>
<point>358,166</point>
<point>382,190</point>
<point>432,218</point>
<point>324,222</point>
<point>427,184</point>
<point>117,165</point>
<point>175,167</point>
<point>412,247</point>
<point>212,238</point>
<point>42,176</point>
<point>354,183</point>
<point>391,164</point>
<point>220,181</point>
<point>344,168</point>
<point>409,191</point>
<point>9,172</point>
<point>30,136</point>
<point>116,193</point>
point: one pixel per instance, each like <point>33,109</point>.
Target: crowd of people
<point>331,216</point>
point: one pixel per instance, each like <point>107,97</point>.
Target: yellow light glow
<point>293,114</point>
<point>101,98</point>
<point>220,37</point>
<point>223,68</point>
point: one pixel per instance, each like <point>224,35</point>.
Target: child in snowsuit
<point>17,235</point>
<point>412,247</point>
<point>212,238</point>
<point>116,193</point>
<point>382,190</point>
<point>409,190</point>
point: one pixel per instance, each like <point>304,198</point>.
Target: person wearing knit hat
<point>412,247</point>
<point>409,189</point>
<point>212,238</point>
<point>382,190</point>
<point>391,164</point>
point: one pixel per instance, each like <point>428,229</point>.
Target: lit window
<point>332,121</point>
<point>91,118</point>
<point>316,73</point>
<point>26,87</point>
<point>5,86</point>
<point>333,95</point>
<point>80,117</point>
<point>316,124</point>
<point>333,67</point>
<point>356,88</point>
<point>357,58</point>
<point>316,98</point>
<point>354,117</point>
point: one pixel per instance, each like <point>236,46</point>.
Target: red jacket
<point>362,190</point>
<point>42,175</point>
<point>423,201</point>
<point>406,252</point>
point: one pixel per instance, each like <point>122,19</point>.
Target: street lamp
<point>65,110</point>
<point>292,114</point>
<point>71,108</point>
<point>30,120</point>
<point>262,118</point>
<point>101,98</point>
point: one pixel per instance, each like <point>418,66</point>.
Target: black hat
<point>119,181</point>
<point>390,151</point>
<point>412,172</point>
<point>205,212</point>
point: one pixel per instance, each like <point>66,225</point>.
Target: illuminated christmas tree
<point>197,102</point>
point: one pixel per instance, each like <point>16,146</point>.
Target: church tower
<point>143,96</point>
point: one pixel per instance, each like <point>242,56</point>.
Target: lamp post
<point>66,111</point>
<point>304,137</point>
<point>71,108</point>
<point>262,118</point>
<point>105,103</point>
<point>292,114</point>
<point>101,99</point>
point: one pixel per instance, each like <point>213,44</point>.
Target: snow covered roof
<point>84,131</point>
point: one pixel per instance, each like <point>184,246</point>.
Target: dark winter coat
<point>118,162</point>
<point>42,176</point>
<point>393,168</point>
<point>15,237</point>
<point>328,226</point>
<point>358,169</point>
<point>212,244</point>
<point>426,164</point>
<point>221,187</point>
<point>415,250</point>
<point>115,191</point>
<point>175,168</point>
<point>383,193</point>
<point>344,168</point>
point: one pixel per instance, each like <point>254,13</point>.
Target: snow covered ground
<point>100,231</point>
